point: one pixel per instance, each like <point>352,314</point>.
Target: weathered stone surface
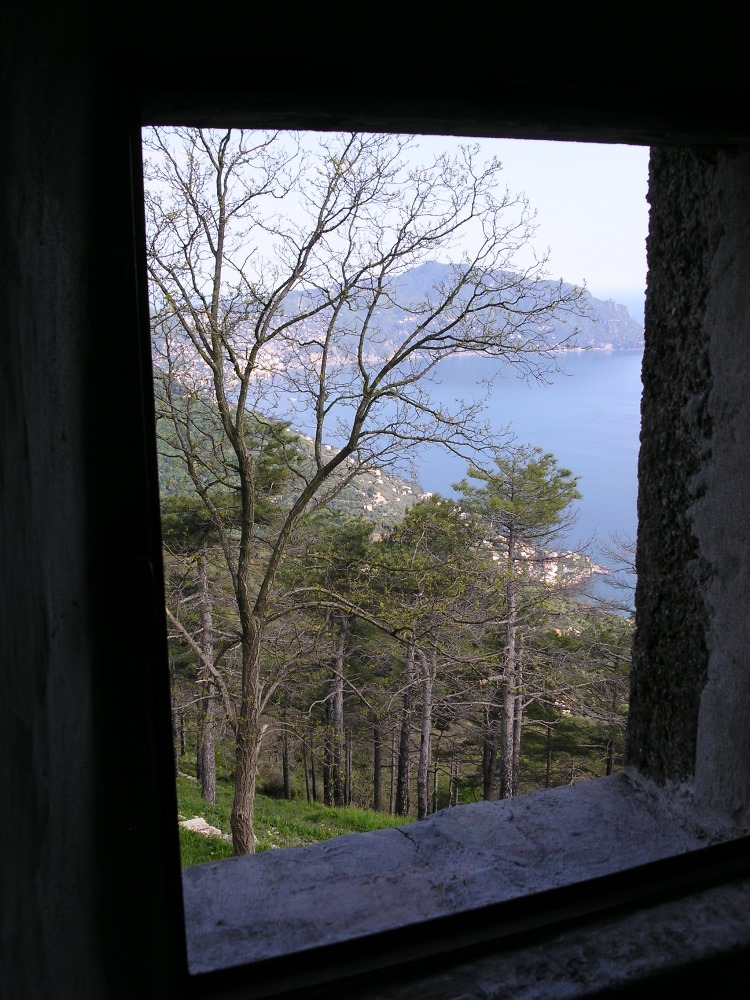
<point>459,858</point>
<point>199,825</point>
<point>621,954</point>
<point>690,683</point>
<point>670,655</point>
<point>721,513</point>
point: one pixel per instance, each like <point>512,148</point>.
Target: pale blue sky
<point>591,207</point>
<point>590,202</point>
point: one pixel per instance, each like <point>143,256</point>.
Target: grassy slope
<point>278,823</point>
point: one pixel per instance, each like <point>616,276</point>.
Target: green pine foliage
<point>436,581</point>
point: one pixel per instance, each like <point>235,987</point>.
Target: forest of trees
<point>448,657</point>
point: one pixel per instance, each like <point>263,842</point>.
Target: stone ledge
<point>698,945</point>
<point>247,909</point>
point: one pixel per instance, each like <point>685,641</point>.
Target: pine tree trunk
<point>425,732</point>
<point>307,776</point>
<point>377,764</point>
<point>285,763</point>
<point>349,767</point>
<point>517,720</point>
<point>200,715</point>
<point>328,794</point>
<point>181,731</point>
<point>548,775</point>
<point>403,798</point>
<point>453,783</point>
<point>392,790</point>
<point>490,775</point>
<point>507,766</point>
<point>313,781</point>
<point>517,729</point>
<point>337,733</point>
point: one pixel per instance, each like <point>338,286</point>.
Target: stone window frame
<point>502,926</point>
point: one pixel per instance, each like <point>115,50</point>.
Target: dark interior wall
<point>632,74</point>
<point>79,765</point>
<point>87,903</point>
<point>48,785</point>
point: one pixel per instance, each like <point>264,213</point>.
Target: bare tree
<point>279,286</point>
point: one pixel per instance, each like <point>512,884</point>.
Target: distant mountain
<point>604,325</point>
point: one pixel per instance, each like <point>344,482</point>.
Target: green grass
<point>278,822</point>
<point>195,849</point>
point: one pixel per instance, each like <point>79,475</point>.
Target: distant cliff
<point>608,325</point>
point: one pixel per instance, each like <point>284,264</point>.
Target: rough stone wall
<point>690,690</point>
<point>670,654</point>
<point>721,514</point>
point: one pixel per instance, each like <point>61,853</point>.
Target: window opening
<point>358,537</point>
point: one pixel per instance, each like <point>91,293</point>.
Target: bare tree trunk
<point>249,736</point>
<point>246,777</point>
<point>404,770</point>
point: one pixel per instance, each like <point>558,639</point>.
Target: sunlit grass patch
<point>278,822</point>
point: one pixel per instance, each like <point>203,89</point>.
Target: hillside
<point>380,496</point>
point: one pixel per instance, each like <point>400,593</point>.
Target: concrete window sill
<point>251,909</point>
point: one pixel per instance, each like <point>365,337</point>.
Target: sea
<point>587,415</point>
<point>585,412</point>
